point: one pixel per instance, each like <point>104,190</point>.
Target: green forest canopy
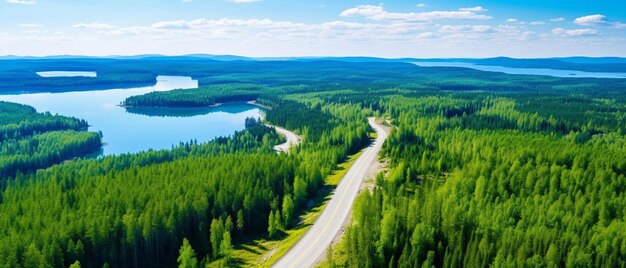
<point>485,169</point>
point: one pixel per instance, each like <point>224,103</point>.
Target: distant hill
<point>220,57</point>
<point>588,60</point>
<point>610,65</point>
<point>588,64</point>
<point>585,64</point>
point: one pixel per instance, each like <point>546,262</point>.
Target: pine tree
<point>299,191</point>
<point>240,220</point>
<point>187,256</point>
<point>430,260</point>
<point>33,257</point>
<point>226,247</point>
<point>216,236</point>
<point>288,210</point>
<point>271,226</point>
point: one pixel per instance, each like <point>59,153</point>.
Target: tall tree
<point>187,256</point>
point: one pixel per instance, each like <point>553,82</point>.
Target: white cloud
<point>376,30</point>
<point>134,30</point>
<point>425,35</point>
<point>557,19</point>
<point>206,23</point>
<point>30,25</point>
<point>466,28</point>
<point>244,1</point>
<point>93,25</point>
<point>527,35</point>
<point>213,29</point>
<point>591,20</point>
<point>363,10</point>
<point>473,9</point>
<point>344,25</point>
<point>379,13</point>
<point>21,2</point>
<point>574,32</point>
<point>507,28</point>
<point>266,30</point>
<point>178,24</point>
<point>537,23</point>
<point>421,5</point>
<point>598,20</point>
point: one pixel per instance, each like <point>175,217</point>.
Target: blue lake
<point>141,129</point>
<point>67,74</point>
<point>529,71</point>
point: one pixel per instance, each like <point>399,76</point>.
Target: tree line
<point>138,209</point>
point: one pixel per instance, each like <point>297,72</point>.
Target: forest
<point>512,190</point>
<point>484,169</point>
<point>139,209</point>
<point>31,140</point>
<point>202,97</point>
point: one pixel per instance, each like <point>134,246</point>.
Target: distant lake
<point>67,74</point>
<point>141,129</point>
<point>529,71</point>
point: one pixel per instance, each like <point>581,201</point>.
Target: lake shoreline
<point>12,91</point>
<point>254,103</point>
<point>131,132</point>
<point>558,73</point>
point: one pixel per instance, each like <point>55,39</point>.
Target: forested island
<point>483,169</point>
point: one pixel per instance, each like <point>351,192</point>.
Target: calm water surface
<point>530,71</point>
<point>67,74</point>
<point>142,129</point>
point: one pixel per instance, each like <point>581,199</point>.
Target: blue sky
<point>436,28</point>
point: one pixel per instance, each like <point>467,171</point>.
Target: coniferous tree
<point>187,256</point>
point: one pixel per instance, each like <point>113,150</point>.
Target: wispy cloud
<point>473,9</point>
<point>466,28</point>
<point>209,23</point>
<point>30,25</point>
<point>598,20</point>
<point>363,29</point>
<point>379,13</point>
<point>349,33</point>
<point>421,5</point>
<point>21,2</point>
<point>574,32</point>
<point>93,25</point>
<point>425,35</point>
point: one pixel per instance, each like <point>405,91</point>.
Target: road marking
<point>325,226</point>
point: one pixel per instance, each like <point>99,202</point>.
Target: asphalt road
<point>292,139</point>
<point>312,246</point>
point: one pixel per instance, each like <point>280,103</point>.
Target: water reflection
<point>135,130</point>
<point>67,74</point>
<point>230,108</point>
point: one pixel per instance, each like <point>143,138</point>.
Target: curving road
<point>292,139</point>
<point>312,246</point>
